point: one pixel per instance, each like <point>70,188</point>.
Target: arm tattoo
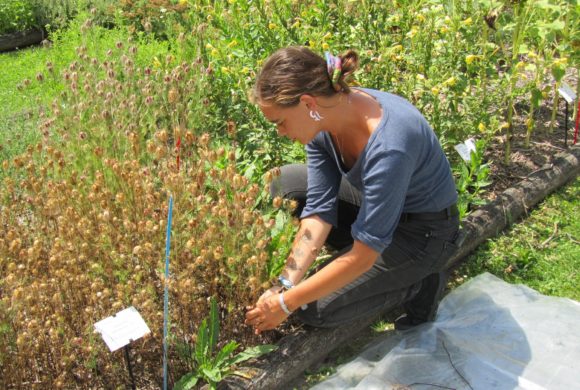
<point>298,252</point>
<point>291,264</point>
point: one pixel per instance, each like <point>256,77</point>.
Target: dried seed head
<point>172,95</point>
<point>277,202</point>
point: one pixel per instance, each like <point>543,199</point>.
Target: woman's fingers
<point>253,316</point>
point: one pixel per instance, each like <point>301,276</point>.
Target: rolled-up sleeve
<point>323,183</point>
<point>386,178</point>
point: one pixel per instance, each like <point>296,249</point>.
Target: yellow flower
<point>451,81</point>
<point>421,18</point>
<point>470,58</point>
<point>182,2</point>
<point>208,46</point>
<point>296,24</point>
<point>444,29</point>
<point>312,43</point>
<point>481,127</point>
<point>413,32</point>
<point>214,52</point>
<point>272,26</point>
<point>232,43</point>
<point>156,62</point>
<point>561,61</point>
<point>419,76</point>
<point>397,48</point>
<point>467,22</point>
<point>435,91</point>
<point>327,36</point>
<point>225,69</point>
<point>325,46</point>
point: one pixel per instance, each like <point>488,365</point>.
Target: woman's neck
<point>355,116</point>
<point>351,119</point>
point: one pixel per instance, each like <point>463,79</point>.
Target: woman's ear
<point>309,101</point>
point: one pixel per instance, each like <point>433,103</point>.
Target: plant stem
<point>519,17</point>
<point>554,107</point>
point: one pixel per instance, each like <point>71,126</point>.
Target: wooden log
<point>308,346</point>
<point>21,39</point>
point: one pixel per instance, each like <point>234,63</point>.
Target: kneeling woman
<point>377,187</point>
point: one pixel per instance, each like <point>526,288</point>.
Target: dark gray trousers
<point>419,251</point>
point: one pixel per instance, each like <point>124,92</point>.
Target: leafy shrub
<point>16,15</point>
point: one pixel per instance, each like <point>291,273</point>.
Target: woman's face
<point>292,122</point>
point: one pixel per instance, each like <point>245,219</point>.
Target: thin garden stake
<point>128,359</point>
<point>166,292</point>
<point>577,122</point>
<point>177,146</point>
<point>566,127</point>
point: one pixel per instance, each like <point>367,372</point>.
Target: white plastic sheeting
<point>488,334</point>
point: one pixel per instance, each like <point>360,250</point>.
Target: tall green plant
<point>471,178</point>
<point>213,365</point>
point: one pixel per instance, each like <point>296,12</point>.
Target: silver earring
<point>315,115</point>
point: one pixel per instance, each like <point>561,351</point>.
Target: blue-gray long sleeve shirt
<point>401,169</point>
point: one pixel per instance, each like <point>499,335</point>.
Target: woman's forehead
<point>272,112</point>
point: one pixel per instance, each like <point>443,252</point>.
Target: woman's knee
<point>292,180</point>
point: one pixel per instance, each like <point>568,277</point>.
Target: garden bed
<point>119,104</point>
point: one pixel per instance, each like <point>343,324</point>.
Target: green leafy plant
<point>473,177</point>
<point>210,364</point>
<point>15,15</point>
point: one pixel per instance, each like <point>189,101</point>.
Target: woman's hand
<point>269,292</point>
<point>267,313</point>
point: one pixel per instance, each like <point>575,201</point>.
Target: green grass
<point>542,251</point>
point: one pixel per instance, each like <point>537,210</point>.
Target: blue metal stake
<point>166,292</point>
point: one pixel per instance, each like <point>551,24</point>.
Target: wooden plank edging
<point>21,39</point>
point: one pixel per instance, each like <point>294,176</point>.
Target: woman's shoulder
<point>396,105</point>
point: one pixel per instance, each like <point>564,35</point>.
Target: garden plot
<point>134,103</point>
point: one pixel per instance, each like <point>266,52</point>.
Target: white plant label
<point>465,148</point>
<point>567,93</point>
<point>122,328</point>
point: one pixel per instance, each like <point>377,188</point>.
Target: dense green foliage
<point>16,15</point>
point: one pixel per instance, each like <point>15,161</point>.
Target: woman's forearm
<point>307,243</point>
<point>335,275</point>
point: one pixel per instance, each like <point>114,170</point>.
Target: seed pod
<point>172,96</point>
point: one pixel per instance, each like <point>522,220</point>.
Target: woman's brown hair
<point>294,71</point>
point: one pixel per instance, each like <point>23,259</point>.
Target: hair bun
<point>350,63</point>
